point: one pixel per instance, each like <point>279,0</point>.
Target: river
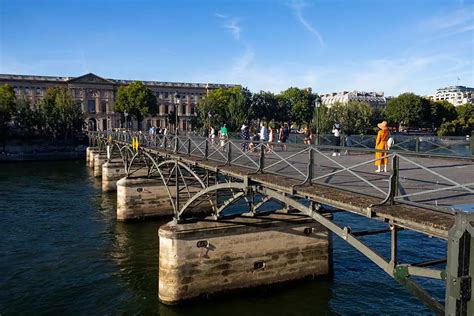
<point>62,252</point>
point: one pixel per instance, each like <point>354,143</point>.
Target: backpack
<point>390,142</point>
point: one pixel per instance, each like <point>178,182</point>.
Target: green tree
<point>463,125</point>
<point>7,106</point>
<point>263,106</point>
<point>301,104</point>
<point>354,117</point>
<point>441,112</point>
<point>137,100</point>
<point>60,115</point>
<point>228,106</point>
<point>408,109</point>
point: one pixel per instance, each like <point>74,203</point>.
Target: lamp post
<point>176,104</point>
<point>317,104</point>
<point>125,113</point>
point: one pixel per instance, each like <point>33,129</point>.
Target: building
<point>97,96</point>
<point>455,95</point>
<point>375,99</point>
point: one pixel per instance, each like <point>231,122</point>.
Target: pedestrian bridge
<point>423,192</point>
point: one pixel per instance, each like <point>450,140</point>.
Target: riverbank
<point>38,150</point>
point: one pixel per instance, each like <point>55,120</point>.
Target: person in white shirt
<point>337,134</point>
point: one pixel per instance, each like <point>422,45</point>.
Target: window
<point>103,107</point>
<point>38,91</point>
<point>192,110</point>
<point>91,106</point>
<point>183,109</point>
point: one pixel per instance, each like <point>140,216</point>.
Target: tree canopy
<point>7,106</point>
<point>408,109</point>
<point>136,99</point>
<point>59,113</point>
<point>302,105</point>
<point>228,106</point>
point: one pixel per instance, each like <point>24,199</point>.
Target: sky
<point>393,46</point>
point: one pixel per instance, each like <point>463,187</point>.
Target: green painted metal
<point>460,267</point>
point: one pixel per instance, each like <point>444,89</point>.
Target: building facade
<point>375,99</point>
<point>456,95</point>
<point>96,97</point>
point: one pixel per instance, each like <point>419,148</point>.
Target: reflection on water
<point>62,251</point>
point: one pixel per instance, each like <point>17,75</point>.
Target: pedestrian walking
<point>336,130</point>
<point>245,136</point>
<point>212,135</point>
<point>223,135</point>
<point>270,139</point>
<point>284,135</point>
<point>308,135</point>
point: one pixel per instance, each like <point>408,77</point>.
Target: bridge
<point>208,181</point>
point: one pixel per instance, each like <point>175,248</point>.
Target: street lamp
<point>176,104</point>
<point>317,104</point>
<point>125,113</point>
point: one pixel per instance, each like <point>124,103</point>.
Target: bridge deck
<point>423,220</point>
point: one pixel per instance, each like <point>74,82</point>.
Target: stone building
<point>456,95</point>
<point>375,99</point>
<point>96,97</point>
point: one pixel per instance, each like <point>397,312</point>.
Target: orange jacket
<point>382,138</point>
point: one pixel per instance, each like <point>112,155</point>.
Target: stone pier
<point>88,151</point>
<point>99,160</point>
<point>92,153</point>
<point>112,171</point>
<point>140,198</point>
<point>211,257</point>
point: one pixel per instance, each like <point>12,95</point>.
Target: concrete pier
<point>99,160</point>
<point>92,153</point>
<point>140,198</point>
<point>206,257</point>
<point>112,171</point>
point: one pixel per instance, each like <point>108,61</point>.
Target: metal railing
<point>440,182</point>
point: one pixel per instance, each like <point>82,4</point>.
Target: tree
<point>408,109</point>
<point>441,112</point>
<point>228,106</point>
<point>137,100</point>
<point>301,104</point>
<point>7,106</point>
<point>60,115</point>
<point>354,117</point>
<point>263,106</point>
<point>463,125</point>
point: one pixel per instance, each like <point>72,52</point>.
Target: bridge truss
<point>196,172</point>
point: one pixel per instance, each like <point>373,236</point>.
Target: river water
<point>62,252</point>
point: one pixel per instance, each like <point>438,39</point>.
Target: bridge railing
<point>441,182</point>
<point>452,145</point>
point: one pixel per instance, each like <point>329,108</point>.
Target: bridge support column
<point>112,171</point>
<point>88,151</point>
<point>92,152</point>
<point>211,257</point>
<point>140,198</point>
<point>99,160</point>
<point>460,266</point>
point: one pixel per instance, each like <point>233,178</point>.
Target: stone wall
<point>240,253</point>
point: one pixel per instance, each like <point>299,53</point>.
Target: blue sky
<point>329,45</point>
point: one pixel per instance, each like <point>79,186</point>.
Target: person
<point>336,130</point>
<point>255,138</point>
<point>223,135</point>
<point>245,136</point>
<point>381,144</point>
<point>212,135</point>
<point>263,132</point>
<point>284,135</point>
<point>308,135</point>
<point>270,139</point>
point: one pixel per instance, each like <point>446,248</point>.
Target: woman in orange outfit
<point>381,143</point>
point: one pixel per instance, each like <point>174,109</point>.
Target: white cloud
<point>231,24</point>
<point>297,6</point>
